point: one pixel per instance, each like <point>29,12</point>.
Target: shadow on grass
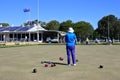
<point>51,62</point>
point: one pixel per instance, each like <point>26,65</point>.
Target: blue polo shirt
<point>70,39</point>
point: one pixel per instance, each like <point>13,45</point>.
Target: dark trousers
<point>71,53</point>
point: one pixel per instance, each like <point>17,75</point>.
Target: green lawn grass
<point>17,63</point>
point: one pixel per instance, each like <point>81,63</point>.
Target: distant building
<point>34,33</point>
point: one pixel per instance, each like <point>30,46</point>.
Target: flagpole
<point>38,10</point>
<point>29,17</point>
<point>38,20</point>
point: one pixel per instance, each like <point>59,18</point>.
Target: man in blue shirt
<point>70,39</point>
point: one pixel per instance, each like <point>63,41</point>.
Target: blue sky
<point>61,10</point>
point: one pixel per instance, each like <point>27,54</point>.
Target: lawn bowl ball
<point>60,58</point>
<point>46,65</point>
<point>101,66</point>
<point>34,70</point>
<point>76,60</point>
<point>52,65</point>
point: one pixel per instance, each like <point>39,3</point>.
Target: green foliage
<point>53,25</point>
<point>43,24</point>
<point>83,29</point>
<point>65,25</point>
<point>96,34</point>
<point>109,25</point>
<point>4,24</point>
<point>31,23</point>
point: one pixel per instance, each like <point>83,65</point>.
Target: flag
<point>26,10</point>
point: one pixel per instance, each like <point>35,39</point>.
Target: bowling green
<point>17,63</point>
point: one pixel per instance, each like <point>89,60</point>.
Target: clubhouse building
<point>34,33</point>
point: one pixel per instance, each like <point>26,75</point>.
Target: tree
<point>43,24</point>
<point>96,34</point>
<point>83,29</point>
<point>53,25</point>
<point>31,23</point>
<point>116,29</point>
<point>4,24</point>
<point>65,25</point>
<point>109,26</point>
